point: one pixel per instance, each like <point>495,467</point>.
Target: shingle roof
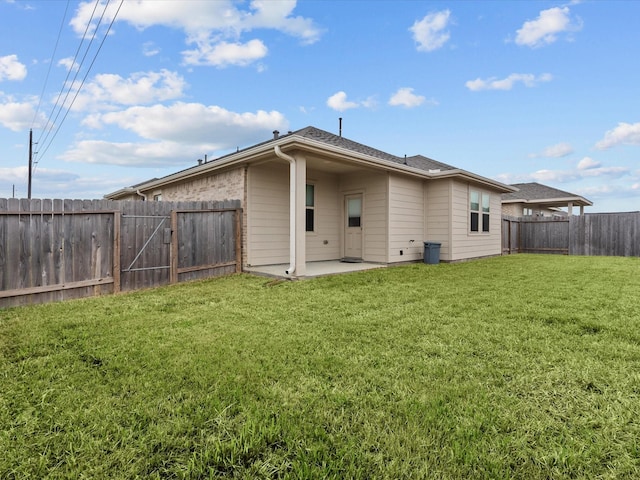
<point>416,161</point>
<point>536,192</point>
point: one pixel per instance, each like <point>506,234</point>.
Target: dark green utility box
<point>432,253</point>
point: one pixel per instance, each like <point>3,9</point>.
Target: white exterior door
<point>353,226</point>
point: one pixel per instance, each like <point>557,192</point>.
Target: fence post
<point>238,215</point>
<point>173,251</point>
<point>117,219</point>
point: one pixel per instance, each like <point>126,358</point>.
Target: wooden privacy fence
<point>607,234</point>
<point>60,249</point>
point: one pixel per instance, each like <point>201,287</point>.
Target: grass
<point>512,367</point>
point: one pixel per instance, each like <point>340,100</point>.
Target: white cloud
<point>18,175</point>
<point>12,69</point>
<point>57,183</point>
<point>586,168</point>
<point>14,174</point>
<point>544,30</point>
<point>559,150</point>
<point>17,116</point>
<point>624,133</point>
<point>149,49</point>
<point>187,122</point>
<point>224,54</point>
<point>588,163</point>
<point>132,154</point>
<point>214,28</point>
<point>527,79</point>
<point>338,101</point>
<point>555,151</point>
<point>610,172</point>
<point>140,88</point>
<point>278,16</point>
<point>430,33</point>
<point>174,133</point>
<point>406,98</point>
<point>69,64</point>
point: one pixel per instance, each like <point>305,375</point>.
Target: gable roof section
<point>416,161</point>
<point>314,139</point>
<point>536,193</point>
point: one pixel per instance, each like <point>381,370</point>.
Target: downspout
<point>144,197</point>
<point>292,208</point>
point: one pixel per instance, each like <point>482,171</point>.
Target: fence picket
<point>608,234</point>
<point>61,249</point>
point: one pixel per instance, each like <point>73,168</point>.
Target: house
<point>537,200</point>
<point>311,195</point>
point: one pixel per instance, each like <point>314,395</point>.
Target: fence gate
<point>145,250</point>
<point>170,245</point>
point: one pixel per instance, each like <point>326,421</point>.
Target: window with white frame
<point>479,211</point>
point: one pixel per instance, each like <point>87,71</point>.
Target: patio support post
<point>570,208</point>
<point>297,212</point>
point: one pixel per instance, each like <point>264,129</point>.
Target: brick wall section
<point>221,186</point>
<point>512,209</point>
<point>229,185</point>
<point>516,210</point>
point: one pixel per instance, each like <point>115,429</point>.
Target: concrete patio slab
<point>314,269</point>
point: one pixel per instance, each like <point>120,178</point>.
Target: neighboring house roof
<point>537,194</point>
<point>315,140</point>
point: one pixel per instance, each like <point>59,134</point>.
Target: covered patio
<point>314,269</point>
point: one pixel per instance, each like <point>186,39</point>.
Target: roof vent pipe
<point>276,134</point>
<point>199,161</point>
<point>340,126</point>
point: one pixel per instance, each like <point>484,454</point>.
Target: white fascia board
<point>118,193</point>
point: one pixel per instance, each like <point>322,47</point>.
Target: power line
<point>85,76</point>
<point>50,124</point>
<point>46,80</point>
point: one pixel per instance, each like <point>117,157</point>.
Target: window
<point>354,211</point>
<point>157,197</point>
<point>479,207</point>
<point>310,204</point>
<point>527,212</point>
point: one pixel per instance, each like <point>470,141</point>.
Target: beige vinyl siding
<point>373,187</point>
<point>328,217</point>
<point>406,218</point>
<point>438,215</point>
<point>268,214</point>
<point>472,245</point>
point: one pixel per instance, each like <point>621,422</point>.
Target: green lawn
<point>523,366</point>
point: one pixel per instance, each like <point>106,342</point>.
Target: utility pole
<point>30,162</point>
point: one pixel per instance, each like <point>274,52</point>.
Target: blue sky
<point>516,91</point>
